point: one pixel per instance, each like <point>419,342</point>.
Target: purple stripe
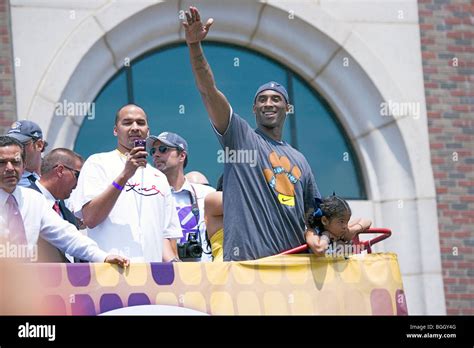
<point>137,299</point>
<point>401,302</point>
<point>109,302</point>
<point>79,274</point>
<point>83,305</point>
<point>163,273</point>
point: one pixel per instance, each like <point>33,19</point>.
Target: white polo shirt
<point>143,215</point>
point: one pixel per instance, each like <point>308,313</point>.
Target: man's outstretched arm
<point>214,100</point>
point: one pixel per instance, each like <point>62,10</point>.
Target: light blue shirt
<point>24,181</point>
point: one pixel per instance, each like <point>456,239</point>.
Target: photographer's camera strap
<point>195,211</point>
<point>194,204</point>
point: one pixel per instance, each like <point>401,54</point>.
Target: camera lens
<point>195,251</point>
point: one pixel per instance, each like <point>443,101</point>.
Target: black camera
<point>191,249</point>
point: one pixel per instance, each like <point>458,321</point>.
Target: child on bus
<point>330,220</point>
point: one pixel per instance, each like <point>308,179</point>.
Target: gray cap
<point>274,86</point>
<point>25,131</point>
<point>169,139</point>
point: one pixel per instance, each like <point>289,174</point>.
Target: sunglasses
<point>161,149</point>
<point>76,172</point>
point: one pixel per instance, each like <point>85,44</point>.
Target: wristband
<point>175,259</point>
<point>117,186</point>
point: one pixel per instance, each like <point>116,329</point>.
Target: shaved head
<point>124,110</point>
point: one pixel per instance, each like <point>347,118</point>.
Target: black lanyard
<point>194,204</point>
<point>195,211</point>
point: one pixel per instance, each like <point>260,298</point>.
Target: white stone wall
<point>357,54</point>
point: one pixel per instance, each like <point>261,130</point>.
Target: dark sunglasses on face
<point>161,149</point>
<point>76,172</point>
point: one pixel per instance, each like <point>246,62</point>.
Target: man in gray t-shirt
<point>268,185</point>
<point>266,197</point>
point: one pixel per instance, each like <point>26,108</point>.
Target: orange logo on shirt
<point>282,178</point>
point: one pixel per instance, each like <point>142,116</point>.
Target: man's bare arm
<point>97,210</point>
<point>170,251</point>
<point>214,100</point>
<point>214,213</point>
<point>357,226</point>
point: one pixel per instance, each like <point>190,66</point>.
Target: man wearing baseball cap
<point>169,152</point>
<point>31,136</point>
<point>265,201</point>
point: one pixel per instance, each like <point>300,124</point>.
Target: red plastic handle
<point>367,245</point>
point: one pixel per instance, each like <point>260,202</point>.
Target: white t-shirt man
<point>189,222</point>
<point>143,215</point>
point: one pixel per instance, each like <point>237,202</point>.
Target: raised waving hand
<point>194,30</point>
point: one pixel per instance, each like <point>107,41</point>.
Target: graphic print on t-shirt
<point>282,178</point>
<point>188,221</point>
<point>144,191</point>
